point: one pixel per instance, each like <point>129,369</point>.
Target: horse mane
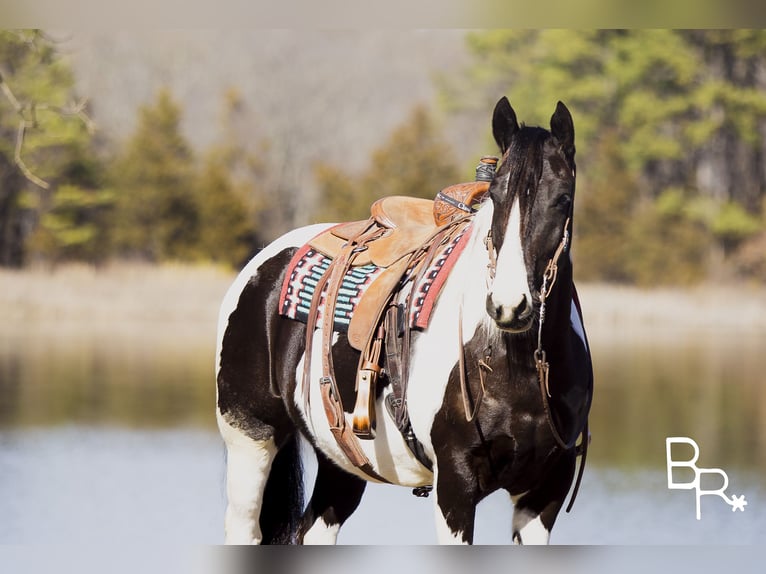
<point>524,158</point>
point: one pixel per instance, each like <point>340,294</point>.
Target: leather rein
<point>541,364</point>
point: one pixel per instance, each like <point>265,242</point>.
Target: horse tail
<point>282,506</point>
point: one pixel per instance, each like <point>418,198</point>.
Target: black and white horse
<point>510,299</point>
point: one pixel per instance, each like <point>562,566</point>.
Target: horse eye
<point>564,201</point>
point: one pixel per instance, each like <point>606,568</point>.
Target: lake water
<point>108,438</point>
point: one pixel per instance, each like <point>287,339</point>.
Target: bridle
<point>549,279</point>
<point>541,364</point>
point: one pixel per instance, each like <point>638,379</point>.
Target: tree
<point>225,230</point>
<point>75,224</point>
<point>662,113</point>
<point>414,161</point>
<point>156,217</point>
<point>44,143</point>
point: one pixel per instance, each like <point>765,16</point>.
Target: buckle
<point>422,491</point>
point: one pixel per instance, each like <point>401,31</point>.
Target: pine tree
<point>233,206</point>
<point>156,216</point>
<point>670,115</point>
<point>225,230</point>
<point>44,150</point>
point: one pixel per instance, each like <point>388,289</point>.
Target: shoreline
<point>127,297</point>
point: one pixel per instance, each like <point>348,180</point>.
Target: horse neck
<point>556,339</point>
<point>559,306</point>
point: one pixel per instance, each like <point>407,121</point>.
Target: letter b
<point>671,464</point>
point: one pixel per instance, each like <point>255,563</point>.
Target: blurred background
<point>140,170</point>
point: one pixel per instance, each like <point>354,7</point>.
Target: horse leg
<point>248,463</point>
<point>454,505</point>
<point>335,497</point>
<point>535,512</point>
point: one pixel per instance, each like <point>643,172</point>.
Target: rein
<point>541,364</point>
<point>543,367</point>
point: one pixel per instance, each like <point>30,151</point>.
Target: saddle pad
<point>306,269</point>
<point>429,287</point>
<point>308,266</point>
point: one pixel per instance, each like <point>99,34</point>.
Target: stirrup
<point>364,422</point>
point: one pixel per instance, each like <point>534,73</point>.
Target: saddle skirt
<point>364,286</point>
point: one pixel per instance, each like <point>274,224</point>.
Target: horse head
<point>533,197</point>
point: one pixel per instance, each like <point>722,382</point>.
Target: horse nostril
<point>494,311</point>
<point>523,309</point>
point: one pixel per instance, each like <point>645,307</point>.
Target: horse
<point>499,383</point>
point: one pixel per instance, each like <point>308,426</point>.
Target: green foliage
<point>664,245</point>
<point>603,213</point>
<point>38,94</point>
<point>340,196</point>
<point>415,161</point>
<point>670,137</point>
<point>225,231</point>
<point>733,223</point>
<point>74,226</point>
<point>168,208</point>
<point>156,217</point>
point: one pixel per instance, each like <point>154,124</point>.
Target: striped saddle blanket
<point>308,265</point>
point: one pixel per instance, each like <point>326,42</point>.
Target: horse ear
<point>562,129</point>
<point>504,123</point>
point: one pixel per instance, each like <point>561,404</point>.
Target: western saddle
<point>401,236</point>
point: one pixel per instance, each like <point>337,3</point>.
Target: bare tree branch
<point>20,162</point>
<point>28,119</point>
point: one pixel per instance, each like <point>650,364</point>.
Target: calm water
<point>112,438</point>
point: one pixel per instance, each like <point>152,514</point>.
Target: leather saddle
<point>408,223</point>
<point>401,236</point>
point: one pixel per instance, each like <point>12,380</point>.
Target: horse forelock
<point>519,176</point>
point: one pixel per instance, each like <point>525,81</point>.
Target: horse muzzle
<point>513,318</point>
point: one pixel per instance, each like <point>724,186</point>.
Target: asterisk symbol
<point>738,503</point>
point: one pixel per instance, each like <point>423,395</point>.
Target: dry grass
<point>183,298</point>
<point>122,297</point>
<point>632,312</point>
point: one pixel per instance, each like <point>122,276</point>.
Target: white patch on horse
<point>248,463</point>
<point>510,287</point>
<point>577,326</point>
<point>388,453</point>
<point>436,352</point>
<point>535,533</point>
<point>321,533</point>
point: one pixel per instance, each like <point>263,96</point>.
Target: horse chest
<point>509,444</point>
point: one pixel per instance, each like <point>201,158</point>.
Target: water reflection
<point>705,385</point>
<point>126,379</point>
<point>135,409</point>
<point>94,486</point>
